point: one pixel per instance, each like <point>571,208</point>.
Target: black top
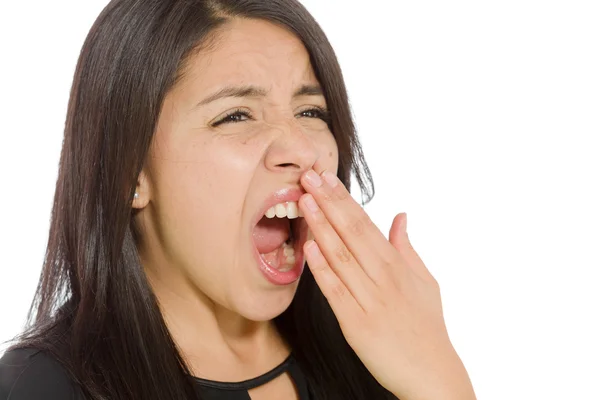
<point>30,374</point>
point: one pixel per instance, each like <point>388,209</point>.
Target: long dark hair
<point>94,310</point>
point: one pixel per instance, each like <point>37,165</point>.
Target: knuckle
<point>359,226</point>
<point>343,254</point>
<point>339,290</point>
<point>327,196</point>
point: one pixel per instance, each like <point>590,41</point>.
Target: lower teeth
<point>288,261</point>
<point>290,258</point>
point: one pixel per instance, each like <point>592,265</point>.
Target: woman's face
<point>210,177</point>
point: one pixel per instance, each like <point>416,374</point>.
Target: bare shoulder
<point>31,374</point>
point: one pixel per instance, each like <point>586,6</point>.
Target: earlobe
<point>137,203</point>
<point>140,199</point>
<point>141,195</point>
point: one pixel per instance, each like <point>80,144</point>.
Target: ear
<point>143,190</point>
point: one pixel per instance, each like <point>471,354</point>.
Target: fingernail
<point>330,178</point>
<point>313,179</point>
<point>310,203</point>
<point>312,248</point>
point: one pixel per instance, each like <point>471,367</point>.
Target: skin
<point>199,191</point>
<point>202,185</point>
<point>387,302</point>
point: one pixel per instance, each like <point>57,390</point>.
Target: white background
<point>479,119</point>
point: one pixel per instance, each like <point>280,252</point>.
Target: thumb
<point>398,230</point>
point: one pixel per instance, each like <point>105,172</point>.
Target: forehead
<point>255,52</point>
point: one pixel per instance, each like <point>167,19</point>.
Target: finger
<point>340,299</point>
<point>362,237</point>
<point>399,239</point>
<point>398,235</point>
<point>339,258</point>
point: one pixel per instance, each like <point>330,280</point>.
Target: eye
<point>320,113</point>
<point>233,117</point>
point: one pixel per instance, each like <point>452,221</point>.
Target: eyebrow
<point>253,91</point>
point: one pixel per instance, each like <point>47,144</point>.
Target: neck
<point>216,343</point>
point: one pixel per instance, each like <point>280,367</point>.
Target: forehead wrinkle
<point>245,67</point>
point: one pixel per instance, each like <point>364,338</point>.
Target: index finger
<point>356,229</point>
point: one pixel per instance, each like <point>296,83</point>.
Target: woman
<point>197,131</point>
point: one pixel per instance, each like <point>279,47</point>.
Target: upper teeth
<point>288,209</point>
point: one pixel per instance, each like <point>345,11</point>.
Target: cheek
<point>198,208</point>
<point>211,187</point>
<point>205,168</point>
<point>329,155</point>
<point>180,196</point>
<point>200,187</point>
<point>333,156</point>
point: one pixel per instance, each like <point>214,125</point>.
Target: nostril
<point>288,165</point>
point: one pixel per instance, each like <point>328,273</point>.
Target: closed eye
<point>235,115</point>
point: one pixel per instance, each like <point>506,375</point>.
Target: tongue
<point>270,233</point>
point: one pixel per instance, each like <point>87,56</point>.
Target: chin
<point>265,305</point>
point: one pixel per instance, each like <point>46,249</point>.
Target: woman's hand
<point>386,301</point>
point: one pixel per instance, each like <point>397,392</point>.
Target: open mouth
<point>278,239</point>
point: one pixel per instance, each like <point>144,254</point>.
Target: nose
<point>291,150</point>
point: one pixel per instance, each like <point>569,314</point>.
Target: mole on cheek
<point>331,154</point>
